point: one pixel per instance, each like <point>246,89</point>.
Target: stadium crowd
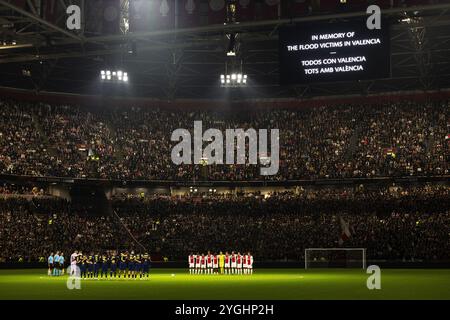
<point>388,139</point>
<point>394,223</point>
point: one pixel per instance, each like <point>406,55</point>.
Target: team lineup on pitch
<point>136,265</point>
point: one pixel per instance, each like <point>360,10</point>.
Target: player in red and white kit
<point>197,263</point>
<point>247,263</point>
<point>227,263</point>
<point>233,262</point>
<point>244,264</point>
<point>250,263</point>
<point>191,260</point>
<point>209,258</point>
<point>203,264</point>
<point>215,264</point>
<point>240,259</point>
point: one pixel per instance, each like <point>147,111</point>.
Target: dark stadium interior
<point>183,61</point>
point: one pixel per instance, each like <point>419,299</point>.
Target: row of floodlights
<point>234,78</point>
<point>8,43</point>
<point>114,75</point>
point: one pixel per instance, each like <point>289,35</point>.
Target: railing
<point>224,183</point>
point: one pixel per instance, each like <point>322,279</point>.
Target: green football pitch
<point>263,284</point>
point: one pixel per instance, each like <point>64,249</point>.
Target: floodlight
<point>114,75</point>
<point>233,80</point>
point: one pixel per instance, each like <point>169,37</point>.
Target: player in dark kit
<point>105,265</point>
<point>131,265</point>
<point>146,265</point>
<point>90,265</point>
<point>97,265</point>
<point>113,266</point>
<point>137,266</point>
<point>81,262</point>
<point>123,265</point>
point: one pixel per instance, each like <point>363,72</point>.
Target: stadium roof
<point>180,63</point>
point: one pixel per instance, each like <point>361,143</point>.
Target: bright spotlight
<point>233,80</point>
<point>114,76</point>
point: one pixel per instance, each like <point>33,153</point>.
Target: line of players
<point>233,263</point>
<point>55,264</point>
<point>124,264</point>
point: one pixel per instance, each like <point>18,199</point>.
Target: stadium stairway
<point>37,125</point>
<point>353,143</point>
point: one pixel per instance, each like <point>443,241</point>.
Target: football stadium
<point>224,150</point>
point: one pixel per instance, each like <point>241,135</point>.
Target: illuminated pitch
<point>263,284</point>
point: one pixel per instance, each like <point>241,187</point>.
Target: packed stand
<point>373,140</point>
<point>394,223</point>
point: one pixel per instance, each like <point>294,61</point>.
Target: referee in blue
<point>50,264</point>
<point>56,263</point>
<point>61,264</point>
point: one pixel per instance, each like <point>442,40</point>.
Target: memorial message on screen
<point>333,52</point>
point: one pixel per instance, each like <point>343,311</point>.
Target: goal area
<point>335,258</point>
